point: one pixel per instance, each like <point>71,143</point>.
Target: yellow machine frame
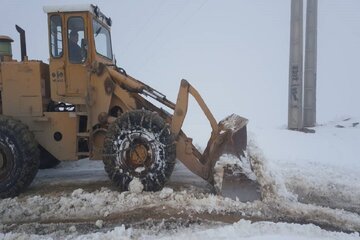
<point>98,91</point>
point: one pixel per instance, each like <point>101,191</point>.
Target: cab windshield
<point>102,40</point>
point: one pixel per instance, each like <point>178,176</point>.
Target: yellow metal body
<point>96,92</point>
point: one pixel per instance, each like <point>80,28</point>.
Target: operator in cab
<point>75,55</point>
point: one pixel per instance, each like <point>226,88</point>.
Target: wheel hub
<point>138,155</point>
<point>136,151</point>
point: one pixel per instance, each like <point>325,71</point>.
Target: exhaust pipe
<point>22,42</point>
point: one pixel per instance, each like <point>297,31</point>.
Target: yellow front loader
<point>82,105</point>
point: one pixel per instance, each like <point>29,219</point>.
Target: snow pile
<point>271,182</point>
<point>264,230</point>
<point>243,164</point>
<point>319,168</point>
<point>323,185</point>
<point>256,167</point>
<point>240,230</point>
<point>98,204</point>
<point>104,203</point>
<point>118,233</point>
<point>166,193</point>
<point>218,176</point>
<point>99,223</point>
<point>135,186</point>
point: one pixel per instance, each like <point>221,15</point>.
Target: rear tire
<point>139,144</point>
<point>19,157</point>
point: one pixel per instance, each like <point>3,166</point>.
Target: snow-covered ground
<point>240,230</point>
<point>305,178</point>
<point>320,168</point>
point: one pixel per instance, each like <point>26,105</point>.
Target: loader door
<point>57,56</point>
<point>77,54</point>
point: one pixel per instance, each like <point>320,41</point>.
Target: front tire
<point>139,144</point>
<point>19,157</point>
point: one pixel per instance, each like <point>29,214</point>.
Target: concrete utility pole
<point>310,64</point>
<point>295,117</point>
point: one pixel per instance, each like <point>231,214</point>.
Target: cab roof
<point>69,8</point>
<point>79,8</point>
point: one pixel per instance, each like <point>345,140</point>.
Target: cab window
<point>76,40</point>
<point>56,40</point>
<point>102,40</point>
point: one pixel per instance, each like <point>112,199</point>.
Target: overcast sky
<point>235,52</point>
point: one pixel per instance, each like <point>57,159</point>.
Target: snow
<point>166,193</point>
<point>300,176</point>
<point>135,186</point>
<point>99,223</point>
<point>317,166</point>
<point>72,229</point>
<point>242,229</point>
<point>264,230</point>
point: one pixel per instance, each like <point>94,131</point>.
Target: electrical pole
<point>310,64</point>
<point>295,117</point>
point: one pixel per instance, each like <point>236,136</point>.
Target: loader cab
<point>78,36</point>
